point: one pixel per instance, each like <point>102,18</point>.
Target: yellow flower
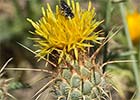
<point>133,20</point>
<point>64,34</point>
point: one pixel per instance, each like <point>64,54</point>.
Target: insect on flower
<point>66,10</point>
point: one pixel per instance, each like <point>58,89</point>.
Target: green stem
<point>107,25</point>
<point>108,14</point>
<point>139,64</point>
<point>130,45</point>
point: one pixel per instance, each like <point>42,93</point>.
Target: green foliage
<point>17,85</point>
<point>14,23</point>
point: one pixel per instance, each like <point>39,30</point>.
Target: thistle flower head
<point>63,34</point>
<point>133,21</point>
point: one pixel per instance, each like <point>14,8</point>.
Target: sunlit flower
<point>133,20</point>
<point>64,34</point>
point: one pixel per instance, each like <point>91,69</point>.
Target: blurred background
<point>14,29</point>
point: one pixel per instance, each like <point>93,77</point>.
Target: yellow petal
<point>89,5</point>
<point>76,53</point>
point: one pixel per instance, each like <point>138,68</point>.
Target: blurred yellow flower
<point>133,20</point>
<point>64,34</point>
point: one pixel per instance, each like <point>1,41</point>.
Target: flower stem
<point>130,45</point>
<point>107,26</point>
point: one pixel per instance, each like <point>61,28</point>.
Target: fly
<point>66,10</point>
